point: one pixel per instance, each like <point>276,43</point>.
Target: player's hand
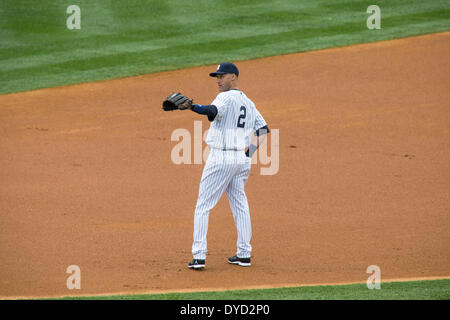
<point>251,150</point>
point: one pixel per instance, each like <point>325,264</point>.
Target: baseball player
<point>237,129</point>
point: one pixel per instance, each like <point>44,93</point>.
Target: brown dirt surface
<point>364,176</point>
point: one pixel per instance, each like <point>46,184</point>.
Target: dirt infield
<point>86,176</point>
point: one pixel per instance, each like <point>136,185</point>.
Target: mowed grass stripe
<point>110,38</point>
<point>292,21</point>
<point>410,290</point>
<point>123,39</point>
<point>171,55</point>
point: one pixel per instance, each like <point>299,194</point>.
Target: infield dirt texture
<point>363,179</point>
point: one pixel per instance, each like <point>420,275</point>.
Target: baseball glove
<point>176,101</point>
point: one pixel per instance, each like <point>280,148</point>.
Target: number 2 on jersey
<point>243,114</point>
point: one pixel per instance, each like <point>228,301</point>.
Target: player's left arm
<point>216,109</point>
<point>209,110</point>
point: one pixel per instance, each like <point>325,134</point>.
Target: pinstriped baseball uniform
<point>227,169</point>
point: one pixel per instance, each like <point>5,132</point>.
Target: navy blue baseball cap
<point>224,68</point>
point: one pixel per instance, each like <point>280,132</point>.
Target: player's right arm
<point>260,133</point>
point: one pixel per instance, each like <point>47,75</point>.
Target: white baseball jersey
<point>236,119</point>
<point>227,169</point>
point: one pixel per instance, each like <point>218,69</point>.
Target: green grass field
<point>411,290</point>
<point>125,38</point>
